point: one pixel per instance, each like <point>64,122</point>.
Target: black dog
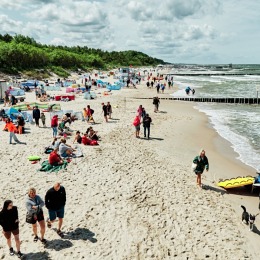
<point>248,218</point>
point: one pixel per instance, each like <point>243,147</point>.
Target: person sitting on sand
<point>55,143</point>
<point>202,162</point>
<point>65,150</point>
<point>29,107</point>
<point>77,138</point>
<point>54,158</point>
<point>92,135</point>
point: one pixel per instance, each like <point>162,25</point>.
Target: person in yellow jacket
<point>11,128</point>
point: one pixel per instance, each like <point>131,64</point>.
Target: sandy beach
<point>132,198</point>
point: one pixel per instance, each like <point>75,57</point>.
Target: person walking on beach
<point>201,162</point>
<point>137,124</point>
<point>11,128</point>
<point>34,205</point>
<point>104,109</point>
<point>156,102</point>
<point>36,115</point>
<point>158,86</point>
<point>109,110</point>
<point>54,125</point>
<point>10,222</point>
<point>146,124</point>
<point>55,200</point>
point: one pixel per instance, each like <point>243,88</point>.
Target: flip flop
<point>35,239</point>
<point>60,233</point>
<point>44,241</point>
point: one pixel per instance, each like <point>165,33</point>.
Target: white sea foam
<point>220,120</point>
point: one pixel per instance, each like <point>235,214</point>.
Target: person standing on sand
<point>10,223</point>
<point>156,102</point>
<point>36,115</point>
<point>137,124</point>
<point>43,118</point>
<point>109,110</point>
<point>54,125</point>
<point>34,205</point>
<point>146,124</point>
<point>104,109</point>
<point>55,200</point>
<point>202,162</point>
<point>158,87</point>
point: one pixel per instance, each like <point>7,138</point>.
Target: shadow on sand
<point>39,256</point>
<point>152,138</point>
<point>81,234</point>
<point>212,188</point>
<point>58,244</point>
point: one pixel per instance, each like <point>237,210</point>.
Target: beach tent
<point>13,113</point>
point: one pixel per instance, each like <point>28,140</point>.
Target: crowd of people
<point>55,200</point>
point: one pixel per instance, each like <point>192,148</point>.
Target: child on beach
<point>11,128</point>
<point>43,118</point>
<point>137,124</point>
<point>201,162</point>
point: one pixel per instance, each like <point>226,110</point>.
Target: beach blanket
<point>24,106</point>
<point>46,167</point>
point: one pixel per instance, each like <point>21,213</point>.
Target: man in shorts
<point>55,200</point>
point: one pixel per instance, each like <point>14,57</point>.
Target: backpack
<point>92,111</point>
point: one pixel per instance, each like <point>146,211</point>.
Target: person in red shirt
<point>54,158</point>
<point>54,125</point>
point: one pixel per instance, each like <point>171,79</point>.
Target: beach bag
<point>194,167</point>
<point>48,150</point>
<point>30,218</point>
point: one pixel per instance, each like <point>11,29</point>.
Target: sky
<point>177,31</point>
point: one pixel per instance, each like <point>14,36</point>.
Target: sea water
<point>237,123</point>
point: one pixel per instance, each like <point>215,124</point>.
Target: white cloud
<point>176,30</point>
<point>8,25</point>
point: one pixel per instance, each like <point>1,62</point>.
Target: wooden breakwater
<point>239,100</point>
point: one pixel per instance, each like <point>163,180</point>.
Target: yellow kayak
<point>236,182</point>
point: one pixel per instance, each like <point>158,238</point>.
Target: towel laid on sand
<point>46,167</point>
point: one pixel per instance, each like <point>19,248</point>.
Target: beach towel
<point>46,167</point>
<point>25,106</point>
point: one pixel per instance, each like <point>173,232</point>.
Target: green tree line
<point>18,53</point>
